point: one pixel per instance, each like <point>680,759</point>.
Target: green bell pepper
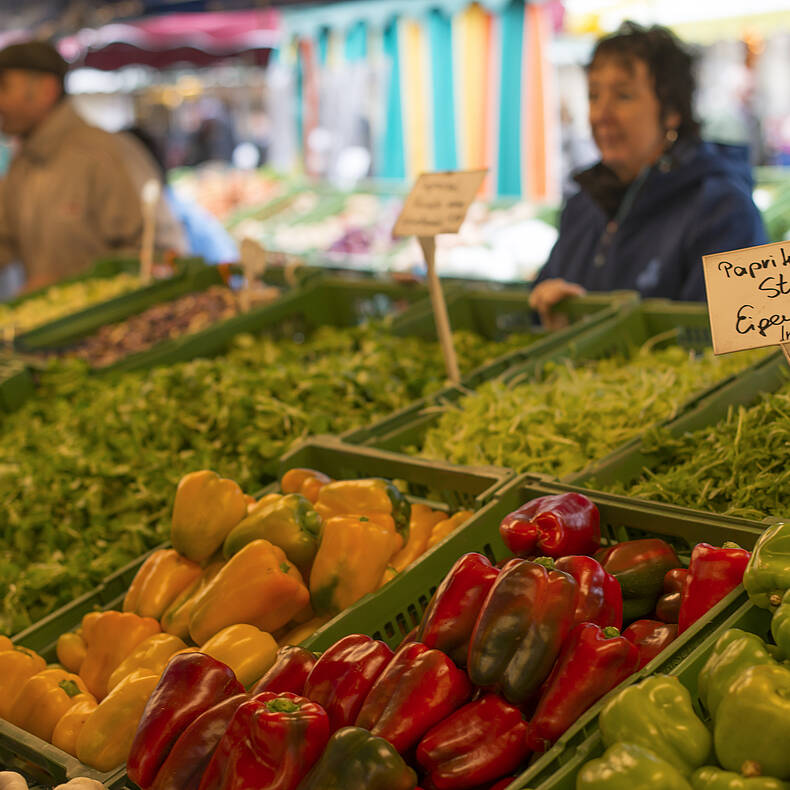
<point>290,523</point>
<point>356,760</point>
<point>712,777</point>
<point>626,766</point>
<point>657,714</point>
<point>753,722</point>
<point>767,575</point>
<point>780,625</point>
<point>734,652</point>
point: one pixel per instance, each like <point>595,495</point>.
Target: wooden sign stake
<point>253,262</point>
<point>150,200</point>
<point>438,203</point>
<point>428,244</point>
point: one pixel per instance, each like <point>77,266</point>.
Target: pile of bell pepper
<point>243,576</point>
<point>656,740</point>
<point>504,660</point>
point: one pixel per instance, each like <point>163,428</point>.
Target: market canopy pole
<point>749,297</point>
<point>438,203</point>
<point>149,198</point>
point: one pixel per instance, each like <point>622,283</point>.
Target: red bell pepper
<point>451,614</point>
<point>600,599</point>
<point>289,672</point>
<point>272,741</point>
<point>476,744</point>
<point>190,685</point>
<point>650,638</point>
<point>517,637</point>
<point>418,689</point>
<point>713,573</point>
<point>555,526</point>
<point>668,606</point>
<point>188,759</point>
<point>593,661</point>
<point>639,566</point>
<point>344,675</point>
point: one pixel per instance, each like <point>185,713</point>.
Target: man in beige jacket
<point>68,197</point>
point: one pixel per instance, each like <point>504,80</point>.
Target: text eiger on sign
<point>749,297</point>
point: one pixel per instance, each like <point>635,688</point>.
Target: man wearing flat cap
<point>69,196</point>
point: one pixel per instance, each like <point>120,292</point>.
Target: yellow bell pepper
<point>5,644</point>
<point>258,585</point>
<point>44,698</point>
<point>448,526</point>
<point>175,620</point>
<point>70,724</point>
<point>247,650</point>
<point>16,666</point>
<point>152,654</point>
<point>106,738</point>
<point>159,581</point>
<point>307,482</point>
<point>206,509</point>
<point>109,638</point>
<point>389,574</point>
<point>354,554</point>
<point>298,634</point>
<point>71,650</point>
<point>372,497</point>
<point>263,502</point>
<point>423,520</point>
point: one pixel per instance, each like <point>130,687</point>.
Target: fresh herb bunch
<point>575,413</point>
<point>89,466</point>
<point>738,466</point>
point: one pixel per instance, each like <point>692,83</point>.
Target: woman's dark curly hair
<point>669,64</point>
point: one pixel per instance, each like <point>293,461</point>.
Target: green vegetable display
<point>88,467</point>
<point>576,413</point>
<point>62,300</point>
<point>738,466</point>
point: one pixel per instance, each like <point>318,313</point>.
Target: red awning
<point>199,39</point>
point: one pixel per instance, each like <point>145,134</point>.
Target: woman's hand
<point>548,293</point>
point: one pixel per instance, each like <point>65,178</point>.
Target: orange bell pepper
<point>175,620</point>
<point>423,520</point>
<point>264,501</point>
<point>16,666</point>
<point>247,650</point>
<point>257,585</point>
<point>206,509</point>
<point>5,644</point>
<point>298,634</point>
<point>159,581</point>
<point>307,482</point>
<point>448,526</point>
<point>109,638</point>
<point>70,724</point>
<point>71,650</point>
<point>44,698</point>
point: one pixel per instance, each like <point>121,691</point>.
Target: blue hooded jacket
<point>651,238</point>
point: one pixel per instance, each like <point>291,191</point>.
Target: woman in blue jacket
<point>660,198</point>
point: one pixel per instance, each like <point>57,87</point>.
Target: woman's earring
<point>671,136</point>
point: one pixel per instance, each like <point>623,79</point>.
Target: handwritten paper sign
<point>749,297</point>
<point>438,203</point>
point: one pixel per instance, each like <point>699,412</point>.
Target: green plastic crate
<point>191,276</point>
<point>494,313</point>
<point>560,773</point>
<point>394,610</point>
<point>334,301</point>
<point>685,324</point>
